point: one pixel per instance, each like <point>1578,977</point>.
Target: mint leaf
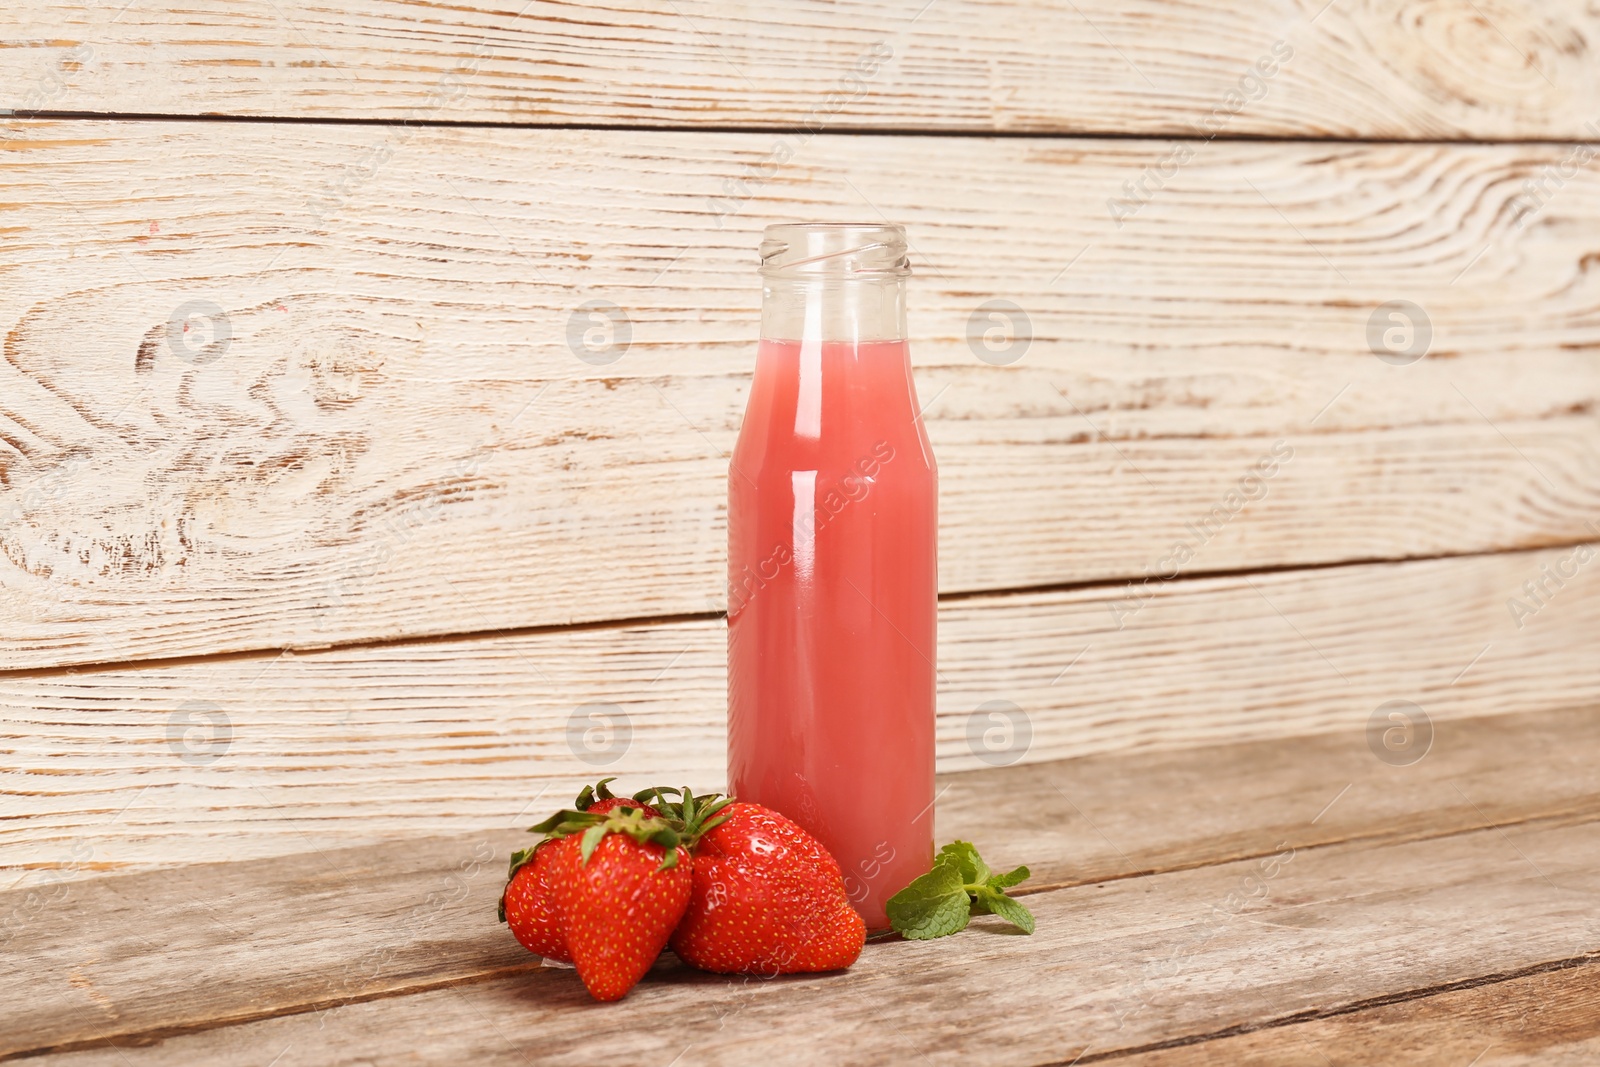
<point>973,870</point>
<point>1009,879</point>
<point>959,886</point>
<point>1012,911</point>
<point>933,905</point>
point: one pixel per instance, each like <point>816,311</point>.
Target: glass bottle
<point>832,562</point>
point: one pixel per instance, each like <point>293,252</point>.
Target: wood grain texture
<point>1370,68</point>
<point>316,931</point>
<point>319,930</point>
<point>1113,967</point>
<point>394,438</point>
<point>163,763</point>
<point>1544,1019</point>
<point>1111,816</point>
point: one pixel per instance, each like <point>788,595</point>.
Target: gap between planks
<point>841,129</point>
<point>1447,68</point>
<point>1198,574</point>
<point>161,1033</point>
<point>1352,1008</point>
<point>1575,817</point>
<point>1546,1018</point>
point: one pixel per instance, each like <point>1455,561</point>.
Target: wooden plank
<point>1399,69</point>
<point>265,934</point>
<point>397,375</point>
<point>320,929</point>
<point>1113,967</point>
<point>163,763</point>
<point>1111,815</point>
<point>1548,1018</point>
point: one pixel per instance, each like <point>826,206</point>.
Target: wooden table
<point>1277,902</point>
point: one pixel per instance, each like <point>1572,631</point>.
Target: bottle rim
<point>806,250</point>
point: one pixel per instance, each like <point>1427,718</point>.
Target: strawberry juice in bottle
<point>833,572</point>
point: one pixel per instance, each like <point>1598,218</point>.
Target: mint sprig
<point>940,902</point>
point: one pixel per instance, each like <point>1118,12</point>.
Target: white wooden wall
<point>359,554</point>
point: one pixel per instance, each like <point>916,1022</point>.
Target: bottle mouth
<point>834,250</point>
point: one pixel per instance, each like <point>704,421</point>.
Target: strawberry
<point>767,899</point>
<point>622,882</point>
<point>528,904</point>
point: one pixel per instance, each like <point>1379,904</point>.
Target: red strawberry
<point>528,903</point>
<point>621,886</point>
<point>768,898</point>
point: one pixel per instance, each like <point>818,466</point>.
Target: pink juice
<point>833,584</point>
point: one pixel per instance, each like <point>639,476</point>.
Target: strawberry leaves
<point>940,902</point>
<point>632,821</point>
<point>694,816</point>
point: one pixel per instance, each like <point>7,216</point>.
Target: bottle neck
<point>851,309</point>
